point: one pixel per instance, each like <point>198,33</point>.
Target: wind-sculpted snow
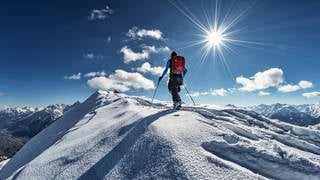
<point>279,166</point>
<point>2,163</point>
<point>114,136</point>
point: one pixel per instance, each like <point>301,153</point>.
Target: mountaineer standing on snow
<point>177,72</point>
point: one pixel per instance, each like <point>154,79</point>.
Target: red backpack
<point>177,65</point>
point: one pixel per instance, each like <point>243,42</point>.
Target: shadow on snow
<point>106,164</point>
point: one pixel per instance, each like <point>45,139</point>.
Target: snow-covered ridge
<point>114,136</point>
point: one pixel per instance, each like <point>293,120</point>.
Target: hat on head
<point>173,54</point>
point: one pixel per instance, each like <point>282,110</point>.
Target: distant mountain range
<point>18,125</point>
<point>302,115</point>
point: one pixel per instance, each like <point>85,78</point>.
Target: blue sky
<point>62,51</point>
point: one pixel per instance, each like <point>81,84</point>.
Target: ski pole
<point>154,93</point>
<point>189,95</point>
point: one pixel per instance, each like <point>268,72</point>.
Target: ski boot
<point>177,105</point>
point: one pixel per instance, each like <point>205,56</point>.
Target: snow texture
<point>2,163</point>
<point>114,136</point>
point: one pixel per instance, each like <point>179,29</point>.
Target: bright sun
<point>214,38</point>
<point>219,34</point>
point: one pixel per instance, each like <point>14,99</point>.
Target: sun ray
<point>238,18</point>
<point>190,16</point>
<point>190,44</point>
<point>220,34</point>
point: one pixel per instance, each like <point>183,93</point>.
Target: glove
<point>159,79</point>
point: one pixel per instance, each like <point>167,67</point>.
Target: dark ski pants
<point>175,81</point>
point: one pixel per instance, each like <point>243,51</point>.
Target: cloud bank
<point>261,80</point>
<point>146,68</point>
<point>121,81</point>
<point>219,92</point>
<point>311,94</point>
<point>288,88</point>
<point>89,56</point>
<point>305,84</point>
<point>263,93</point>
<point>101,14</point>
<point>109,39</point>
<point>92,56</point>
<point>94,74</point>
<point>137,34</point>
<point>130,56</point>
<point>291,88</point>
<point>214,92</point>
<point>73,77</point>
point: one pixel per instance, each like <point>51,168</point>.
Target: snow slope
<point>112,136</point>
<point>2,163</point>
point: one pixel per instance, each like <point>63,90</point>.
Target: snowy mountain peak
<point>18,110</point>
<point>303,115</point>
<point>314,110</point>
<point>100,98</point>
<point>115,136</point>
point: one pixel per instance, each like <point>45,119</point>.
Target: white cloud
<point>153,49</point>
<point>146,68</point>
<point>94,74</point>
<point>136,33</point>
<point>219,92</point>
<point>214,92</point>
<point>93,56</point>
<point>311,94</point>
<point>109,39</point>
<point>2,94</point>
<point>105,83</point>
<point>263,93</point>
<point>73,77</point>
<point>194,94</point>
<point>288,88</point>
<point>89,56</point>
<point>197,94</point>
<point>130,56</point>
<point>305,84</point>
<point>122,81</point>
<point>96,14</point>
<point>261,80</point>
<point>232,90</point>
<point>204,93</point>
<point>270,78</point>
